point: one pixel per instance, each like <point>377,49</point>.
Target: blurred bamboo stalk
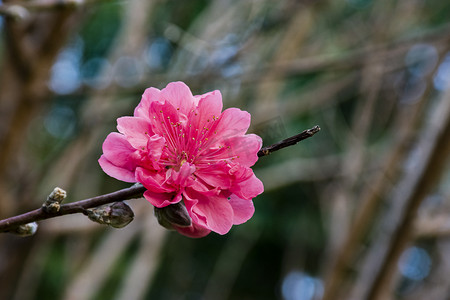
<point>397,231</point>
<point>376,188</point>
<point>88,280</point>
<point>29,55</point>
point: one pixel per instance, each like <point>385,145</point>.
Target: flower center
<point>191,142</point>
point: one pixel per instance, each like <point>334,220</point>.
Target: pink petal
<point>164,118</point>
<point>244,149</point>
<point>240,173</point>
<point>239,149</point>
<point>162,199</point>
<point>243,209</point>
<point>179,95</point>
<point>249,188</point>
<point>155,146</point>
<point>152,181</point>
<point>208,110</point>
<point>136,130</point>
<point>119,152</point>
<point>115,171</point>
<point>193,231</point>
<point>150,95</point>
<point>209,210</point>
<point>232,122</point>
<point>215,175</point>
<point>198,185</point>
<point>179,178</point>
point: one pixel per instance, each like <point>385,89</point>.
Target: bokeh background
<point>359,211</point>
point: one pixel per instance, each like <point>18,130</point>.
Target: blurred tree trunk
<point>32,44</point>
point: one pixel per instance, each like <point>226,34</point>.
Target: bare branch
<point>136,190</point>
<point>289,141</point>
<point>71,208</point>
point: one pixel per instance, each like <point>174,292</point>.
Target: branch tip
<point>290,141</point>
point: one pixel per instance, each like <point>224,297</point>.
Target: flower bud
<point>26,229</point>
<point>116,215</point>
<point>52,204</point>
<point>174,214</point>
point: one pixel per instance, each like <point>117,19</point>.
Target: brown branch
<point>124,194</point>
<point>71,208</point>
<point>289,141</point>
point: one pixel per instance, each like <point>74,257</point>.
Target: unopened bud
<point>174,214</point>
<point>116,215</point>
<point>26,229</point>
<point>52,204</point>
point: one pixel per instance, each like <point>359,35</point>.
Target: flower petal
<point>153,181</point>
<point>119,152</point>
<point>180,177</point>
<point>164,119</point>
<point>150,95</point>
<point>155,146</point>
<point>232,122</point>
<point>249,188</point>
<point>193,231</point>
<point>209,210</point>
<point>136,130</point>
<point>215,175</point>
<point>238,149</point>
<point>244,149</point>
<point>179,95</point>
<point>208,110</point>
<point>243,209</point>
<point>115,171</point>
<point>162,199</point>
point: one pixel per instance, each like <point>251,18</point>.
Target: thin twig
<point>289,141</point>
<point>135,191</point>
<point>71,208</point>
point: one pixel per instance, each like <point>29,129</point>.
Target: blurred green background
<point>359,211</point>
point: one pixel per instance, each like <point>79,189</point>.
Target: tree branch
<point>71,208</point>
<point>289,141</point>
<point>135,191</point>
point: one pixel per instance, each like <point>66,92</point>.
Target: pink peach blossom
<point>184,148</point>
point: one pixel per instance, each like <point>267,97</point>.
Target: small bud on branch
<point>26,229</point>
<point>52,204</point>
<point>116,215</point>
